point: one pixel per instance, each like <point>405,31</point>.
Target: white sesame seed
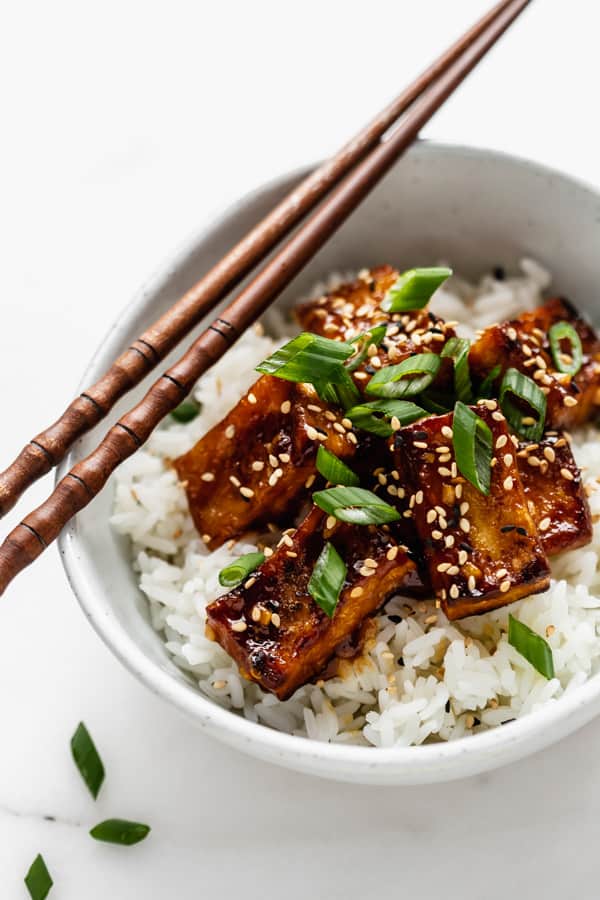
<point>545,524</point>
<point>230,431</point>
<point>258,465</point>
<point>356,592</point>
<point>276,620</point>
<point>567,474</point>
<point>395,423</point>
<point>570,401</point>
<point>392,553</point>
<point>240,626</point>
<point>462,557</point>
<point>446,431</point>
<point>311,433</point>
<point>508,483</point>
<point>436,535</point>
<point>501,573</point>
<point>505,586</point>
<point>284,457</point>
<point>431,516</point>
<point>251,398</point>
<point>549,454</point>
<point>454,592</point>
<point>235,481</point>
<point>246,492</point>
<point>502,440</point>
<point>465,525</point>
<point>255,615</point>
<point>330,522</point>
<point>208,476</point>
<point>508,459</point>
<point>471,583</point>
<point>449,540</point>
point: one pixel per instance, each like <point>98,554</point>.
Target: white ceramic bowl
<point>474,208</point>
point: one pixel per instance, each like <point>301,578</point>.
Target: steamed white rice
<point>419,681</point>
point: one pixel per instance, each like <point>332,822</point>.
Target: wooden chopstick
<point>49,447</point>
<point>28,540</point>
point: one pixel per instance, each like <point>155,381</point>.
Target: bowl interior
<point>475,209</point>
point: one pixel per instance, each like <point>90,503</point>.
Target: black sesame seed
<point>499,273</point>
<point>506,528</point>
<point>395,619</point>
<point>522,531</point>
<point>464,546</point>
<point>447,707</point>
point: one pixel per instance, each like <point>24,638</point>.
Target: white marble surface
<point>125,126</point>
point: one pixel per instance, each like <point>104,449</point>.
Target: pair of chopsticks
<point>345,180</point>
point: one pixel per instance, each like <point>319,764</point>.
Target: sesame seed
<point>453,570</point>
<point>250,582</point>
<point>276,620</point>
<point>501,573</point>
<point>464,525</point>
<point>446,431</point>
<point>419,496</point>
<point>454,592</point>
<point>395,423</point>
<point>339,428</point>
<point>365,572</point>
<point>356,592</point>
<point>392,553</point>
<point>458,491</point>
<point>311,433</point>
<point>527,420</point>
<point>549,454</point>
<point>505,586</point>
<point>502,441</point>
<point>329,415</point>
<point>462,557</point>
<point>507,484</point>
<point>208,476</point>
<point>255,615</point>
<point>246,492</point>
<point>567,474</point>
<point>251,398</point>
<point>420,445</point>
<point>545,524</point>
<point>443,567</point>
<point>230,431</point>
<point>511,333</point>
<point>346,423</point>
<point>444,472</point>
<point>352,437</point>
<point>268,551</point>
<point>471,583</point>
<point>570,401</point>
<point>206,538</point>
<point>533,461</point>
<point>314,408</point>
<point>258,465</point>
<point>449,540</point>
<point>240,626</point>
<point>464,508</point>
<point>235,481</point>
<point>310,481</point>
<point>497,417</point>
<point>431,516</point>
<point>370,563</point>
<point>330,523</point>
<point>284,457</point>
<point>508,460</point>
<point>286,539</point>
<point>436,535</point>
<point>431,620</point>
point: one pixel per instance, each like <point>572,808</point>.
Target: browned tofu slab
<point>257,465</point>
<point>355,307</point>
<point>271,625</point>
<point>523,344</point>
<point>553,487</point>
<point>481,551</point>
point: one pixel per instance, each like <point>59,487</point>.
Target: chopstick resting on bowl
<point>28,540</point>
<point>48,448</point>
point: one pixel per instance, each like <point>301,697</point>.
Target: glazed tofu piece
<point>523,344</point>
<point>271,625</point>
<point>555,495</point>
<point>258,464</point>
<point>355,307</point>
<point>481,552</point>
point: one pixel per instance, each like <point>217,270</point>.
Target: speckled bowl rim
<point>404,765</point>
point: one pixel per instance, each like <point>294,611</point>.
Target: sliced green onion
<point>363,416</point>
<point>487,385</point>
<point>186,411</point>
<point>235,573</point>
<point>87,759</point>
<point>457,349</point>
<point>327,579</point>
<point>407,379</point>
<point>38,879</point>
<point>414,288</point>
<point>120,831</point>
<point>436,402</point>
<point>564,331</point>
<point>355,505</point>
<point>308,358</point>
<point>363,341</point>
<point>334,470</point>
<point>532,646</point>
<point>515,384</point>
<point>341,392</point>
<point>472,440</point>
